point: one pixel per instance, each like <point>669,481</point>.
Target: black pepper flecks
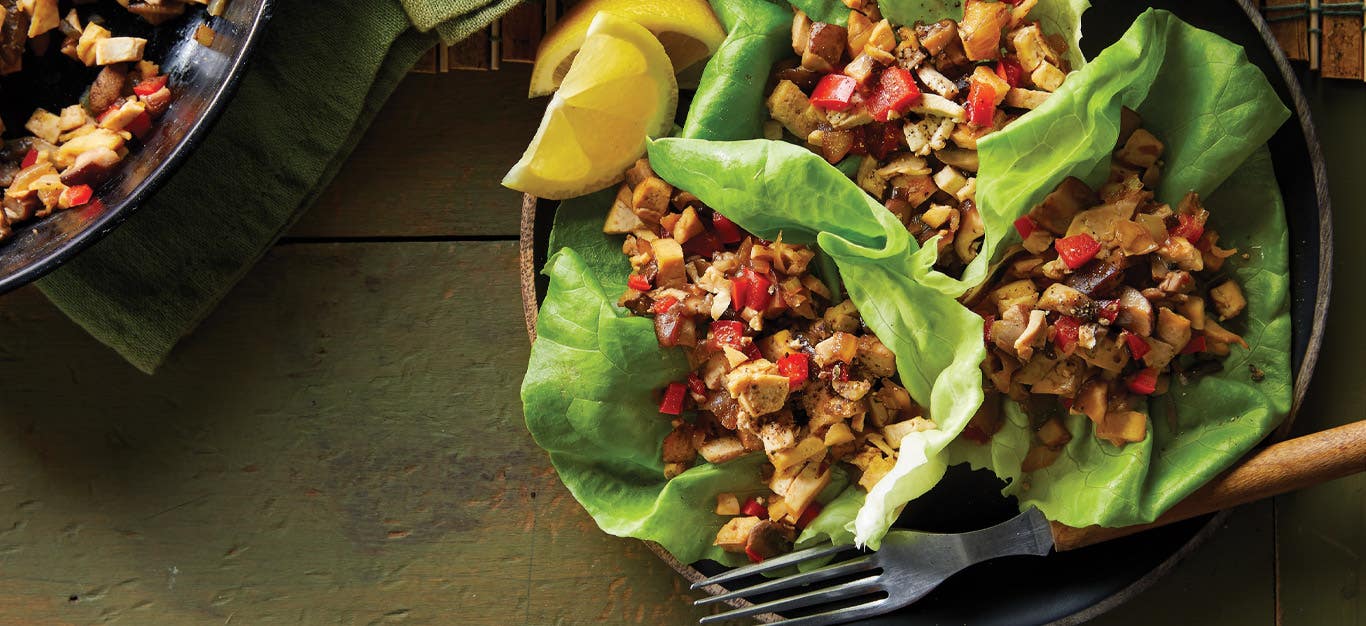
<point>1257,373</point>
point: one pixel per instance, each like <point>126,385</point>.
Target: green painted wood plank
<point>340,443</point>
<point>1322,531</point>
<point>1228,581</point>
<point>430,164</point>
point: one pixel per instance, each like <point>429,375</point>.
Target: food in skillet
<point>1109,296</point>
<point>68,152</point>
<point>780,364</point>
<point>598,373</point>
<point>910,103</point>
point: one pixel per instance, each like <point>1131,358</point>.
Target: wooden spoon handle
<point>1274,470</point>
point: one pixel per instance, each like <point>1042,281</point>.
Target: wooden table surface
<point>342,441</point>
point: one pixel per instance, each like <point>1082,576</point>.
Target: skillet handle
<point>1274,470</point>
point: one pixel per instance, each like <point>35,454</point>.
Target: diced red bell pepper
<point>704,245</point>
<point>672,403</point>
<point>795,367</point>
<point>895,94</point>
<point>1137,345</point>
<point>1144,382</point>
<point>30,158</point>
<point>981,104</point>
<point>1013,3</point>
<point>727,333</point>
<point>664,304</point>
<point>812,510</point>
<point>1108,311</point>
<point>638,282</point>
<point>1025,226</point>
<point>753,556</point>
<point>726,230</point>
<point>1076,250</point>
<point>752,351</point>
<point>739,291</point>
<point>76,196</point>
<point>1010,71</point>
<point>753,508</point>
<point>140,126</point>
<point>1066,403</point>
<point>1188,226</point>
<point>1065,332</point>
<point>750,289</point>
<point>695,385</point>
<point>835,92</point>
<point>1196,344</point>
<point>151,85</point>
<point>987,321</point>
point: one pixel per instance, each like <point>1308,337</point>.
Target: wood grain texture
<point>1291,34</point>
<point>1321,531</point>
<point>340,443</point>
<point>1342,40</point>
<point>1294,464</point>
<point>471,127</point>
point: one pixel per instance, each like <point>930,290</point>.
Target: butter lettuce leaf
<point>772,188</point>
<point>1200,427</point>
<point>729,102</point>
<point>1215,111</point>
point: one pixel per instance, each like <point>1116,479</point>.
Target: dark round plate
<point>1072,587</point>
<point>203,80</point>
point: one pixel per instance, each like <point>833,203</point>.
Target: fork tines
<point>843,591</point>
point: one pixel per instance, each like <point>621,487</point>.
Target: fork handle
<point>1274,470</point>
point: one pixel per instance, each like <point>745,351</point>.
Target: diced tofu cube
<point>937,214</point>
<point>1030,46</point>
<point>1011,294</point>
<point>758,387</point>
<point>119,49</point>
<point>727,504</point>
<point>85,46</point>
<point>120,118</point>
<point>949,180</point>
<point>735,533</point>
<point>73,117</point>
<point>97,138</point>
<point>1121,427</point>
<point>1053,434</point>
<point>1141,150</point>
<point>1021,98</point>
<point>1173,328</point>
<point>722,449</point>
<point>621,219</point>
<point>985,76</point>
<point>838,433</point>
<point>793,109</point>
<point>1228,299</point>
<point>669,259</point>
<point>1047,77</point>
<point>805,449</point>
<point>44,125</point>
<point>894,433</point>
<point>43,17</point>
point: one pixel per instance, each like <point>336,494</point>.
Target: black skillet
<point>1072,587</point>
<point>203,80</point>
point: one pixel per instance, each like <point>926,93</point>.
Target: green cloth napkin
<point>314,85</point>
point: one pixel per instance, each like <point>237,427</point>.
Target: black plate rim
<point>115,214</point>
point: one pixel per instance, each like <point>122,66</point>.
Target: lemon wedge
<point>619,90</point>
<point>688,30</point>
